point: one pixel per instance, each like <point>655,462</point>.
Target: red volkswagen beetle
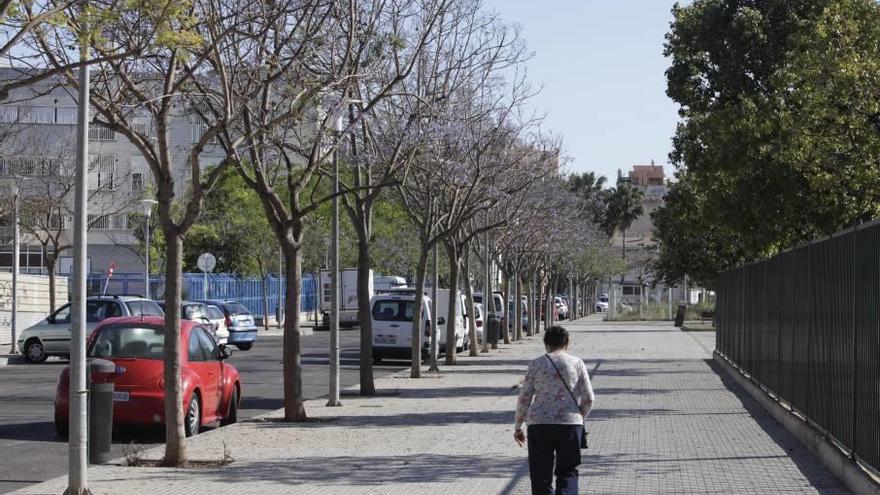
<point>211,388</point>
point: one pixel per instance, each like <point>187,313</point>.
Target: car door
<point>55,331</point>
<point>213,373</point>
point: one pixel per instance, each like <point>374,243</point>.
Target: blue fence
<point>248,291</point>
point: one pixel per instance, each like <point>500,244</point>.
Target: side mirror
<point>225,352</point>
<point>441,321</point>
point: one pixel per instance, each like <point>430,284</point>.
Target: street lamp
<point>16,261</point>
<point>148,205</point>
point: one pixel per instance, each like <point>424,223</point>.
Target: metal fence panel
<point>806,325</point>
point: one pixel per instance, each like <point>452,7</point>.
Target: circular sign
<point>207,262</point>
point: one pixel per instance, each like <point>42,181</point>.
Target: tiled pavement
<point>666,421</point>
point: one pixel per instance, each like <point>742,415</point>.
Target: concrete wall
<point>33,302</point>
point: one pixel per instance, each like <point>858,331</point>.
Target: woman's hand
<point>520,437</point>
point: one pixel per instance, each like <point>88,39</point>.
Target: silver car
<point>51,336</point>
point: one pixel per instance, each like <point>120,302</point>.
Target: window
<point>214,313</point>
<point>235,309</point>
<point>137,181</point>
<point>102,172</point>
<point>144,308</point>
<point>392,310</point>
<point>129,342</point>
<point>208,345</point>
<point>62,315</point>
<point>630,290</point>
<point>119,222</point>
<point>199,130</point>
<point>196,351</point>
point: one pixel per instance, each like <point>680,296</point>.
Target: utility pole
<point>78,447</point>
<point>16,262</point>
<point>435,328</point>
<point>334,275</point>
<point>148,210</point>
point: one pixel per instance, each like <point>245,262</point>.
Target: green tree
<point>779,135</point>
<point>590,187</point>
<point>624,207</point>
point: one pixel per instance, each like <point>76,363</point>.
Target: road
<point>31,452</point>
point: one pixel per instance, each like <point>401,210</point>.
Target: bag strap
<point>576,404</point>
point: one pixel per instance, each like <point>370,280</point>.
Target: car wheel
<point>245,346</point>
<point>34,351</point>
<point>193,419</point>
<point>232,415</point>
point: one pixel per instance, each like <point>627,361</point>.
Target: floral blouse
<point>544,399</point>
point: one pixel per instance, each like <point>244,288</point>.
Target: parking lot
<point>31,451</point>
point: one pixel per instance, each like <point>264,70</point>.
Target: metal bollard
<point>100,413</point>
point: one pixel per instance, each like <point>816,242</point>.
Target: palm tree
<point>590,187</point>
<point>624,206</point>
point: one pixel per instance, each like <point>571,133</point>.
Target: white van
<point>385,284</point>
<point>392,318</point>
<point>460,326</point>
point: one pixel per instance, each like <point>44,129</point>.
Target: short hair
<point>556,337</point>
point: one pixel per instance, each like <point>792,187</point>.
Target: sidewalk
<point>665,422</point>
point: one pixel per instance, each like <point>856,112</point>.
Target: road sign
<point>207,262</point>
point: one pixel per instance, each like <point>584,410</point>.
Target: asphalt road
<point>30,452</point>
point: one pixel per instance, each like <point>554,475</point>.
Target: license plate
<point>386,339</point>
<point>120,396</point>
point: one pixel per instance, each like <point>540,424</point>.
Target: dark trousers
<point>562,442</point>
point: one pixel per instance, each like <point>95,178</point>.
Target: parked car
<point>239,323</point>
<point>193,311</point>
<point>211,387</point>
<point>51,336</point>
<point>460,325</point>
<point>561,307</point>
<point>478,316</point>
<point>497,309</point>
<point>218,319</point>
<point>392,317</point>
<point>601,304</point>
<point>511,315</point>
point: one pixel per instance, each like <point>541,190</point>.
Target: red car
<point>211,388</point>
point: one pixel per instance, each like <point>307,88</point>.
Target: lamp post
<point>148,210</point>
<point>16,261</point>
<point>334,277</point>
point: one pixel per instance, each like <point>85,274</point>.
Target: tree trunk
<point>472,314</point>
<point>452,312</point>
<point>368,386</point>
<point>50,267</point>
<point>529,298</point>
<point>265,286</point>
<point>416,366</point>
<point>539,302</point>
<point>517,307</point>
<point>505,311</point>
<point>175,437</point>
<point>294,409</point>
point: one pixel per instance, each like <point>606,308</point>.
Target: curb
<point>7,359</point>
<point>852,474</point>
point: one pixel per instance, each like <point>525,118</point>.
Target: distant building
<point>651,180</point>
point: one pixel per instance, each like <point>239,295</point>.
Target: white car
<point>51,336</point>
<point>392,319</point>
<point>218,319</point>
<point>601,306</point>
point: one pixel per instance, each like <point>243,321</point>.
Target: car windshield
<point>214,313</point>
<point>144,308</point>
<point>192,311</point>
<point>128,342</point>
<point>393,310</point>
<point>235,309</point>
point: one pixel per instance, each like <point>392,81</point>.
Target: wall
<point>33,302</point>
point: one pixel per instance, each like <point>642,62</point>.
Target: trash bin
<point>494,329</point>
<point>679,315</point>
<point>100,413</point>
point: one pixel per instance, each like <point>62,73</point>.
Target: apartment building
<point>37,148</point>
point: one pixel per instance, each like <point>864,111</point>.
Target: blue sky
<point>602,69</point>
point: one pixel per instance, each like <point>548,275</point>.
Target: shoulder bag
<point>578,406</point>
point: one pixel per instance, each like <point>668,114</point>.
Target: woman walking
<point>555,400</point>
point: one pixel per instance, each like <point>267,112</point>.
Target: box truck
<point>348,299</point>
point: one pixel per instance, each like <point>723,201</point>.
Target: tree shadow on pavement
<point>808,465</point>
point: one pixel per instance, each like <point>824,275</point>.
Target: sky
<point>601,66</point>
